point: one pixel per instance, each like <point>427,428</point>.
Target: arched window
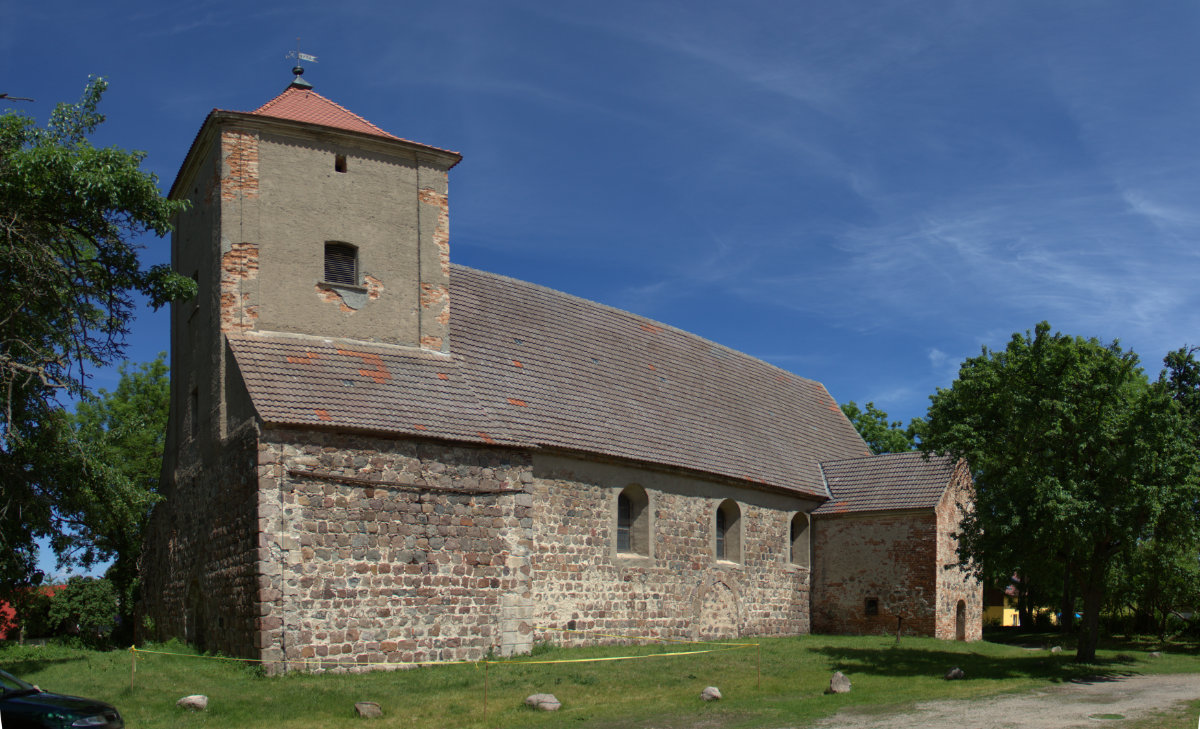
<point>800,540</point>
<point>728,532</point>
<point>341,263</point>
<point>633,521</point>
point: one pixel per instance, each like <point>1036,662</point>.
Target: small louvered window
<point>341,263</point>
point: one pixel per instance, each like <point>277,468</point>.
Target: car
<point>25,706</point>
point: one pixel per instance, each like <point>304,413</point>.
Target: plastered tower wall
<point>288,189</point>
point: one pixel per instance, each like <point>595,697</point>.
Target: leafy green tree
<point>123,434</point>
<point>881,435</point>
<point>1181,379</point>
<point>70,214</point>
<point>85,610</point>
<point>1077,459</point>
<point>1160,580</point>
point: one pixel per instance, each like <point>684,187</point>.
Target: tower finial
<point>298,82</point>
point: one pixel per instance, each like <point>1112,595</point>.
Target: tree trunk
<point>1024,611</point>
<point>1089,636</point>
<point>1066,608</point>
<point>899,624</point>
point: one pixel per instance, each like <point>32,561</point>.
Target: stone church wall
<point>392,550</point>
<point>888,558</point>
<point>199,579</point>
<point>678,589</point>
<point>954,584</point>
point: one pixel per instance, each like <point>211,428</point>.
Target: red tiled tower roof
<point>306,105</point>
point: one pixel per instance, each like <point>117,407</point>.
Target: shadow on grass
<point>904,662</point>
<point>1021,637</point>
<point>31,664</point>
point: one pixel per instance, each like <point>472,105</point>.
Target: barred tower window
<point>341,263</point>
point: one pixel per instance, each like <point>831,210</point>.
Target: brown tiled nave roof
<point>538,367</point>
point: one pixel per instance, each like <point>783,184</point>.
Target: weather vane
<point>298,69</point>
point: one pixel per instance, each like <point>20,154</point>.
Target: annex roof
<point>539,367</point>
<point>887,481</point>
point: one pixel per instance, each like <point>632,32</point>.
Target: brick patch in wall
<point>239,263</point>
<point>441,232</point>
<point>239,150</point>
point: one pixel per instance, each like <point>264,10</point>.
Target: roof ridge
<point>886,456</point>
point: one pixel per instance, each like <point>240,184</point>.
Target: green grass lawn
<point>660,692</point>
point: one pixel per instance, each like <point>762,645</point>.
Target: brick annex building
<point>375,455</point>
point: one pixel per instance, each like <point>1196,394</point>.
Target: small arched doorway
<point>960,621</point>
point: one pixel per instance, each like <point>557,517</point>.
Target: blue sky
<point>861,193</point>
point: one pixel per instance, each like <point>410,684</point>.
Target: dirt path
<point>1077,704</point>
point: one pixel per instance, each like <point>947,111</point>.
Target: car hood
<point>73,704</point>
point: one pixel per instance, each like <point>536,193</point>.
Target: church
<point>377,456</point>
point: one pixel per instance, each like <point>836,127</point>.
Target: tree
<point>882,436</point>
<point>123,434</point>
<point>85,610</point>
<point>1077,459</point>
<point>1181,379</point>
<point>69,217</point>
<point>1161,580</point>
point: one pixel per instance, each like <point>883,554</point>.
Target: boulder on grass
<point>838,684</point>
<point>543,702</point>
<point>954,674</point>
<point>1056,649</point>
<point>711,693</point>
<point>195,702</point>
<point>368,709</point>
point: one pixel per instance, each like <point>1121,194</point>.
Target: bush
<point>85,611</point>
<point>34,614</point>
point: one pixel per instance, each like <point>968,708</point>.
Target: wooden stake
<point>485,689</point>
<point>758,666</point>
<point>132,665</point>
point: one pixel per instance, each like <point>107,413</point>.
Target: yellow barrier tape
<point>639,637</point>
<point>305,661</point>
<point>354,664</point>
<point>622,658</point>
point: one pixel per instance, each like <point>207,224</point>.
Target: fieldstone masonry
<point>683,592</point>
<point>392,551</point>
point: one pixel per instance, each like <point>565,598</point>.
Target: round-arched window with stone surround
<point>727,531</point>
<point>800,540</point>
<point>633,521</point>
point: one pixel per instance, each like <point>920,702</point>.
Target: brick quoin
<point>240,154</point>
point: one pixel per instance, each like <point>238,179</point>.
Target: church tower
<point>305,219</point>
